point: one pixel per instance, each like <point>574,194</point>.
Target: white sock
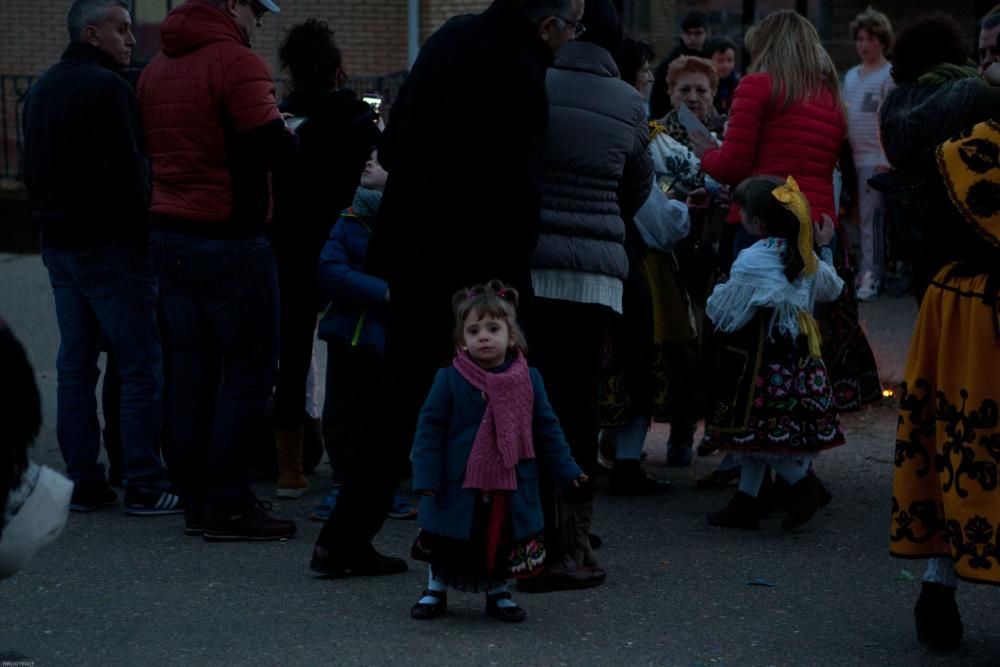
<point>751,476</point>
<point>792,470</point>
<point>941,571</point>
<point>503,603</point>
<point>630,439</point>
<point>432,585</point>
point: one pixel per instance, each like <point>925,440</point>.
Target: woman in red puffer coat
<point>788,119</point>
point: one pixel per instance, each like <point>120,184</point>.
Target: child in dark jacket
<point>485,421</point>
<point>354,330</point>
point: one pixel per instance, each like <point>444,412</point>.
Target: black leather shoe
<point>506,614</point>
<point>805,498</point>
<point>939,625</point>
<point>426,611</point>
<point>742,512</point>
<point>371,564</point>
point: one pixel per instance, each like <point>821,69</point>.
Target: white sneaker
<point>868,290</point>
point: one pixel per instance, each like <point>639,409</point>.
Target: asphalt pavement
<point>119,590</point>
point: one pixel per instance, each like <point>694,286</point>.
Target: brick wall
<point>32,34</point>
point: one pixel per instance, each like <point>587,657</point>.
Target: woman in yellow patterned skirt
<point>946,500</point>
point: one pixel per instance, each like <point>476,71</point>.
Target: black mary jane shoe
<point>424,612</point>
<point>506,614</point>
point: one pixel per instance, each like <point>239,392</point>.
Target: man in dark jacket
<point>87,178</point>
<point>461,206</point>
<point>694,32</point>
<point>214,133</point>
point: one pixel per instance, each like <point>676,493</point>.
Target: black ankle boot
<point>742,512</point>
<point>939,624</point>
<point>805,497</point>
<point>629,479</point>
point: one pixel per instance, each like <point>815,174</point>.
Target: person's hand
<point>823,231</point>
<point>580,480</point>
<point>701,144</point>
<point>286,115</point>
<point>698,199</point>
<point>992,74</point>
<point>882,168</point>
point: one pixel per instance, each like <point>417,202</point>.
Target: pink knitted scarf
<point>504,435</point>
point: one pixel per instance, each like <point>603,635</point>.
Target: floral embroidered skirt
<point>848,355</point>
<point>945,497</point>
<point>489,558</point>
<point>770,396</point>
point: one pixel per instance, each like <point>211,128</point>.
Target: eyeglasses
<point>578,28</point>
<point>258,10</point>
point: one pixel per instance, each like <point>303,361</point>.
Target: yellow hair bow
<point>792,198</point>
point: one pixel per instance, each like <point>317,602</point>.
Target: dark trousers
<point>566,341</point>
<point>352,382</point>
<point>418,342</point>
<point>221,303</point>
<point>299,303</point>
<point>107,294</point>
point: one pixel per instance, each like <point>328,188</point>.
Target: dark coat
<point>357,300</point>
<point>447,428</point>
<point>463,148</point>
<point>84,163</point>
<point>334,143</point>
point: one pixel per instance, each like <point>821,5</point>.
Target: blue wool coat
<point>446,430</point>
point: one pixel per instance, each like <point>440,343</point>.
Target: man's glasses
<point>258,10</point>
<point>578,28</point>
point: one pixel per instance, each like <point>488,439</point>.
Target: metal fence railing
<point>14,87</point>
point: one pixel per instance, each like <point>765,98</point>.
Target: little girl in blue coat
<point>485,421</point>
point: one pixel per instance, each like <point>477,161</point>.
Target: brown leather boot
<point>292,482</point>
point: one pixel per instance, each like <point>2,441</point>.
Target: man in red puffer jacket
<point>214,134</point>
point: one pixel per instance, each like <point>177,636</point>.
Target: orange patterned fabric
<point>946,500</point>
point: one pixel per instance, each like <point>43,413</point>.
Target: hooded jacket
<point>212,125</point>
<point>84,164</point>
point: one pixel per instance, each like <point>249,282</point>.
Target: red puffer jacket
<point>204,91</point>
<point>803,141</point>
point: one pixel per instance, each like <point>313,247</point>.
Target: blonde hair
<point>695,65</point>
<point>787,46</point>
<point>875,23</point>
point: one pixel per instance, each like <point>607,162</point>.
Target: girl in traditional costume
<point>772,402</point>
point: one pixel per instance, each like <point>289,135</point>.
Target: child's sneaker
<point>322,511</point>
<point>402,508</point>
<point>868,290</point>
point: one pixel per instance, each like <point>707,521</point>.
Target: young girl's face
<point>487,339</point>
<point>374,176</point>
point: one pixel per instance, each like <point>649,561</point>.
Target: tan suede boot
<point>576,532</point>
<point>292,482</point>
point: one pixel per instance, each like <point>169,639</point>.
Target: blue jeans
<point>108,291</point>
<point>221,303</point>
